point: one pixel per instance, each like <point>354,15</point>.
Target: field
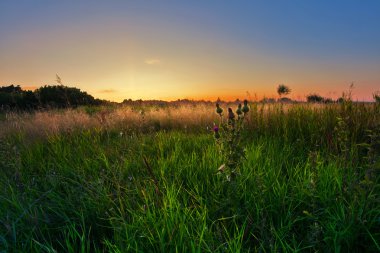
<point>146,179</point>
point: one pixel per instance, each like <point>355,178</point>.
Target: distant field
<point>145,179</point>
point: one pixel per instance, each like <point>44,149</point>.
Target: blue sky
<point>174,49</point>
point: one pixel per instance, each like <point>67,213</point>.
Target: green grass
<point>308,184</point>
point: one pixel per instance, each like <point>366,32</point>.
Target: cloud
<point>107,91</point>
<point>152,61</point>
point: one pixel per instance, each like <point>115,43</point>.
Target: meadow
<point>146,179</point>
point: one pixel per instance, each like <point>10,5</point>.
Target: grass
<point>136,183</point>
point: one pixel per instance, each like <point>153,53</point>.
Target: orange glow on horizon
<point>225,94</point>
<point>30,88</point>
<point>231,97</point>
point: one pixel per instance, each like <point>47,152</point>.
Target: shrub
<point>314,98</point>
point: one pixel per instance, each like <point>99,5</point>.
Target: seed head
<point>231,116</point>
<point>216,131</point>
<point>218,109</point>
<point>222,168</point>
<point>239,111</point>
<point>245,108</point>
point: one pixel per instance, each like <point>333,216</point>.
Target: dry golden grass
<point>126,118</point>
<point>44,123</point>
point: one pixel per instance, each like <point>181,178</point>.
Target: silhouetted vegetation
<point>14,97</point>
<point>376,97</point>
<point>314,98</point>
<point>60,96</point>
<point>56,96</point>
<point>267,100</point>
<point>283,90</point>
<point>285,100</point>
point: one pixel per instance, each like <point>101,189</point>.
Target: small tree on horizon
<point>283,89</point>
<point>314,98</point>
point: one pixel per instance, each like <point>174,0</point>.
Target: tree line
<point>314,97</point>
<point>48,96</point>
<point>61,96</point>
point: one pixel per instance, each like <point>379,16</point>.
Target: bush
<point>314,98</point>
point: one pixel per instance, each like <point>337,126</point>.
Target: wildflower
<point>245,107</point>
<point>229,138</point>
<point>216,132</point>
<point>218,109</point>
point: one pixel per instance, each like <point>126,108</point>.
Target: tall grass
<point>132,181</point>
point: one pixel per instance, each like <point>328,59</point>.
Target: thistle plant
<point>228,136</point>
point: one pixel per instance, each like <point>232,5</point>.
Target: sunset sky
<point>167,50</point>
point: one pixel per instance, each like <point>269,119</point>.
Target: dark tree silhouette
<point>11,96</point>
<point>55,96</point>
<point>282,89</point>
<point>314,98</point>
<point>62,96</point>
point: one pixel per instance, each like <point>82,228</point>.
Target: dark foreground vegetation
<point>309,181</point>
<point>53,96</point>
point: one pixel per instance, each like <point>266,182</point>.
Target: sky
<point>170,50</point>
